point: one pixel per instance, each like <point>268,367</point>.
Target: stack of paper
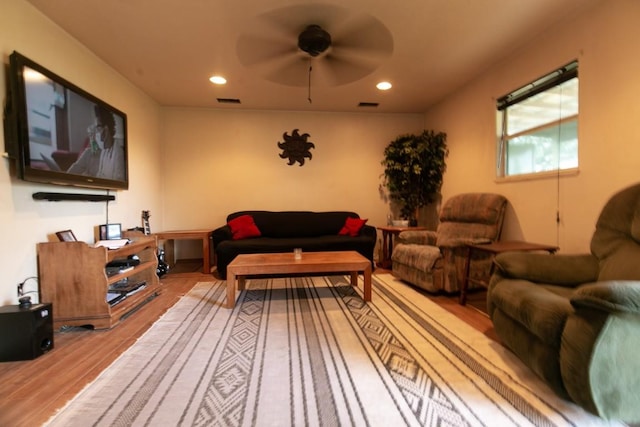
<point>112,244</point>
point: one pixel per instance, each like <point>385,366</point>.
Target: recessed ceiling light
<point>384,85</point>
<point>218,80</point>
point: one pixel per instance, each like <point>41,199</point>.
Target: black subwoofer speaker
<point>25,333</point>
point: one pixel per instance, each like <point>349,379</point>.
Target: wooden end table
<point>388,234</point>
<point>494,249</point>
<point>245,265</point>
<point>202,234</point>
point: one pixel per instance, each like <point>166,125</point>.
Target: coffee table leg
<point>367,283</point>
<point>354,278</point>
<point>231,290</point>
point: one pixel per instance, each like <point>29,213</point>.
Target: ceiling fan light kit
<point>314,40</point>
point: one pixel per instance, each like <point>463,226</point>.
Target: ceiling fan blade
<point>253,49</point>
<point>363,35</point>
<point>294,19</point>
<point>293,71</point>
<point>339,70</point>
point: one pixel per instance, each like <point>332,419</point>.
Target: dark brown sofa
<point>283,231</point>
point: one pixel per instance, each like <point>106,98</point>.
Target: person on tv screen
<point>103,158</point>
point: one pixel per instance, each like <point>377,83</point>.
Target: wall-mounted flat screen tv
<point>61,134</point>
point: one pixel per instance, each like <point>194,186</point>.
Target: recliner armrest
<point>563,270</point>
<point>611,296</point>
<point>455,242</point>
<point>418,237</point>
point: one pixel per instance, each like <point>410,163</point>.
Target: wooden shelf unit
<point>72,277</point>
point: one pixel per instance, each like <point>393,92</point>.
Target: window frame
<point>543,84</point>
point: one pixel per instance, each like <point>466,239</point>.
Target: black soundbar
<point>56,197</point>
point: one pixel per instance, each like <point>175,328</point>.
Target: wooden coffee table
<point>285,264</point>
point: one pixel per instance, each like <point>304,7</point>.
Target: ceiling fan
<point>339,45</point>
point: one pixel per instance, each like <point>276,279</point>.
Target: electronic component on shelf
<point>114,298</point>
<point>121,265</point>
<point>131,261</point>
<point>126,287</point>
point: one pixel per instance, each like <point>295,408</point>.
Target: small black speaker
<point>25,332</point>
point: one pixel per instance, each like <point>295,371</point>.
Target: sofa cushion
<point>471,216</point>
<point>622,262</point>
<point>420,257</point>
<point>543,310</point>
<point>481,208</point>
<point>352,226</point>
<point>616,241</point>
<point>243,227</point>
<point>286,224</point>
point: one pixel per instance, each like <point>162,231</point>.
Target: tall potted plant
<point>414,167</point>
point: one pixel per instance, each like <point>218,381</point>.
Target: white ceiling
<point>169,48</point>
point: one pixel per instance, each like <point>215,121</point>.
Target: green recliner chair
<point>575,319</point>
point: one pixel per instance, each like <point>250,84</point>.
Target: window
<point>538,125</point>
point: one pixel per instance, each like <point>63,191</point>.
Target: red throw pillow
<point>243,227</point>
<point>352,226</point>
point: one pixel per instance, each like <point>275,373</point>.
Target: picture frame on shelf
<point>66,236</point>
<point>110,231</point>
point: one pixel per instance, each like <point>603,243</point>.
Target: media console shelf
<point>73,278</point>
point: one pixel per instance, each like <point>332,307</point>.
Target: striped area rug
<point>307,351</point>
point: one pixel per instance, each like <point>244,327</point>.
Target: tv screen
<point>60,134</point>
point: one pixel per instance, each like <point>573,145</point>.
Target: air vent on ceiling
<point>228,101</point>
<point>368,104</point>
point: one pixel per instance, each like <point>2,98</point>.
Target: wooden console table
<point>202,234</point>
<point>73,278</point>
<point>494,249</point>
<point>388,234</point>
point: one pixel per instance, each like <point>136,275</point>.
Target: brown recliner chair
<point>574,319</point>
<point>435,260</point>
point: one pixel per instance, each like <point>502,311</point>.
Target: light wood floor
<point>32,391</point>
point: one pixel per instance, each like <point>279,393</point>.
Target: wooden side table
<point>202,234</point>
<point>494,249</point>
<point>388,234</point>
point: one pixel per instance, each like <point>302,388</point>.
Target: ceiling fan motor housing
<point>314,40</point>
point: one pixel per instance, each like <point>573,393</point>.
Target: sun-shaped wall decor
<point>295,147</point>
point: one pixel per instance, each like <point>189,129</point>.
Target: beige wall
<point>605,41</point>
<point>218,162</point>
<point>25,222</point>
<point>191,167</point>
